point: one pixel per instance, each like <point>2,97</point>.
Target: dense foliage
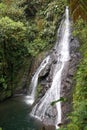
<point>26,29</point>
<point>12,45</point>
<point>79,115</point>
<point>78,118</point>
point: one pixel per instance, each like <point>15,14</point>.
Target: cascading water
<point>52,115</point>
<point>30,98</point>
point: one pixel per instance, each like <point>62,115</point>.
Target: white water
<point>43,110</point>
<point>30,98</point>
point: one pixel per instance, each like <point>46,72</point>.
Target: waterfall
<point>31,97</point>
<point>43,110</point>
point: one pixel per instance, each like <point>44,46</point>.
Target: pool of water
<point>14,115</point>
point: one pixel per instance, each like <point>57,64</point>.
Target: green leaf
<point>59,100</point>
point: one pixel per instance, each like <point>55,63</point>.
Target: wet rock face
<point>45,72</point>
<point>46,75</point>
<point>67,79</point>
<point>67,83</point>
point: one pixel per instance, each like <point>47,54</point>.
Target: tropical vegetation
<point>27,28</point>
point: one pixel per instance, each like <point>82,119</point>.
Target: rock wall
<point>68,82</point>
<point>68,79</point>
<point>25,74</point>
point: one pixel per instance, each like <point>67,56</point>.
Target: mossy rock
<point>8,93</point>
<point>5,94</point>
<point>39,89</point>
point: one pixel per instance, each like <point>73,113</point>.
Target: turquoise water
<point>14,115</point>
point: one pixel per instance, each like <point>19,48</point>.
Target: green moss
<point>5,94</point>
<point>18,80</point>
<point>39,89</point>
<point>8,93</point>
<point>2,96</point>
